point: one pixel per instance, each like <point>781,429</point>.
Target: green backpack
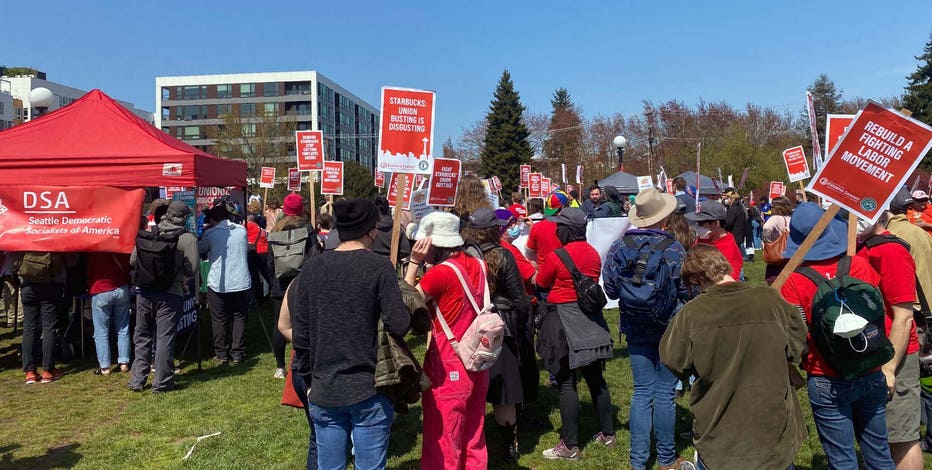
<point>39,266</point>
<point>867,350</point>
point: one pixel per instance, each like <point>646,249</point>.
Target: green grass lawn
<point>94,422</point>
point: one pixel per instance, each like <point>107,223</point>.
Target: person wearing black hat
<point>710,228</point>
<point>342,294</point>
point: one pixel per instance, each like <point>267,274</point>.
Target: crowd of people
<point>493,309</point>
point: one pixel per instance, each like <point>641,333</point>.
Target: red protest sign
<point>525,171</point>
<point>669,184</point>
<point>393,189</point>
<point>331,181</point>
<point>497,183</point>
<point>443,182</point>
<point>534,190</point>
<point>170,190</point>
<point>379,179</point>
<point>776,189</point>
<point>419,181</point>
<point>294,179</point>
<point>835,126</point>
<point>205,195</point>
<point>310,150</point>
<point>880,149</point>
<point>406,140</point>
<point>267,177</point>
<point>796,164</point>
<point>544,186</point>
<point>69,218</point>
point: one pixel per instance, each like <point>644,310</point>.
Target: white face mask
<point>703,232</point>
<point>849,325</point>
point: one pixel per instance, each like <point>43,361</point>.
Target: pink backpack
<point>482,342</point>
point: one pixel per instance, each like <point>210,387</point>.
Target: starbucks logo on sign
<point>422,165</point>
<point>868,204</point>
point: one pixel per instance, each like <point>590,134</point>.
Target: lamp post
<point>620,142</point>
<point>40,99</point>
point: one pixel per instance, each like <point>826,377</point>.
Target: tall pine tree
<point>826,99</point>
<point>506,137</point>
<point>918,97</point>
<point>565,140</point>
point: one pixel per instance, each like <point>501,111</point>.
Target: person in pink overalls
<point>454,406</point>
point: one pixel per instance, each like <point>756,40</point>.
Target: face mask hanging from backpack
<point>849,325</point>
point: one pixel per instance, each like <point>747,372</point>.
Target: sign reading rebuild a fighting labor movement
<point>310,150</point>
<point>267,177</point>
<point>406,140</point>
<point>796,164</point>
<point>331,181</point>
<point>880,149</point>
<point>69,218</point>
<point>443,182</point>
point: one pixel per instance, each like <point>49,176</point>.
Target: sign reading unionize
<point>406,140</point>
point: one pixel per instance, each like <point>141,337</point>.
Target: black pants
<point>156,324</point>
<point>569,400</point>
<point>41,303</point>
<point>228,308</point>
<point>278,341</point>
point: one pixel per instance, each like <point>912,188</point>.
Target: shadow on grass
<point>55,457</point>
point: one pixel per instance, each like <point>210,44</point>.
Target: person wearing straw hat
<point>644,321</point>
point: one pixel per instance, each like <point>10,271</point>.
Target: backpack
<point>646,290</point>
<point>39,266</point>
<point>482,342</point>
<point>865,351</point>
<point>589,294</point>
<point>288,249</point>
<point>158,261</point>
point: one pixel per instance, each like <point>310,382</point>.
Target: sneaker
<point>562,452</point>
<point>124,367</point>
<point>279,373</point>
<point>607,441</point>
<point>102,371</point>
<point>49,376</point>
<point>32,377</point>
<point>512,453</point>
<point>679,464</point>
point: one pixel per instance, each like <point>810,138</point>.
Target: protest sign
<point>876,155</point>
<point>563,172</point>
<point>644,182</point>
<point>408,188</point>
<point>267,177</point>
<point>817,158</point>
<point>406,140</point>
<point>534,189</point>
<point>497,183</point>
<point>669,184</point>
<point>188,198</point>
<point>379,179</point>
<point>168,191</point>
<point>69,218</point>
<point>205,195</point>
<point>579,170</point>
<point>835,126</point>
<point>419,182</point>
<point>525,171</point>
<point>419,203</point>
<point>776,189</point>
<point>310,150</point>
<point>545,186</point>
<point>796,165</point>
<point>294,179</point>
<point>443,182</point>
<point>331,181</point>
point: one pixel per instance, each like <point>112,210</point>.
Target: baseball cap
<point>708,210</point>
<point>919,195</point>
<point>901,200</point>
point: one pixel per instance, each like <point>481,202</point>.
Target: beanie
<point>293,205</point>
<point>354,218</point>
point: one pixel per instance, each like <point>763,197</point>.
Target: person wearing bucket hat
<point>342,297</point>
<point>574,344</point>
<point>710,228</point>
<point>454,406</point>
<point>844,410</point>
<point>653,410</point>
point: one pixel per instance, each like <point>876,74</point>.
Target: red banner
<point>69,218</point>
<point>835,127</point>
<point>776,190</point>
<point>525,172</point>
<point>310,150</point>
<point>294,179</point>
<point>331,181</point>
<point>267,177</point>
<point>443,182</point>
<point>393,189</point>
<point>534,180</point>
<point>796,165</point>
<point>880,149</point>
<point>406,140</point>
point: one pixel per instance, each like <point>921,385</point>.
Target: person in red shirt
<point>517,206</point>
<point>890,257</point>
<point>920,213</point>
<point>108,283</point>
<point>709,229</point>
<point>511,231</point>
<point>543,237</point>
<point>843,410</point>
<point>574,344</point>
<point>257,255</point>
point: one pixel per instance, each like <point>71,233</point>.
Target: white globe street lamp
<point>620,142</point>
<point>41,99</point>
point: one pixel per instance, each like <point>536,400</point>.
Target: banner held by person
<point>294,180</point>
<point>443,182</point>
<point>525,173</point>
<point>267,177</point>
<point>310,150</point>
<point>776,189</point>
<point>796,165</point>
<point>534,189</point>
<point>406,140</point>
<point>331,181</point>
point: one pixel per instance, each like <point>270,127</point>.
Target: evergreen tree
<point>506,138</point>
<point>826,99</point>
<point>918,96</point>
<point>565,133</point>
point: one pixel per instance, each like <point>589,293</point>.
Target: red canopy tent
<point>97,142</point>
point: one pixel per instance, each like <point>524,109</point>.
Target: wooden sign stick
<point>313,199</point>
<point>401,184</point>
<point>852,233</point>
<point>810,240</point>
<point>802,188</point>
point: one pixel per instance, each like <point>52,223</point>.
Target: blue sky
<point>609,55</point>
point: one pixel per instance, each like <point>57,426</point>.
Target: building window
<point>166,93</point>
<point>270,109</point>
<point>270,89</point>
<point>304,126</point>
<point>249,130</point>
<point>166,114</point>
<point>300,109</point>
<point>194,112</point>
<point>247,90</point>
<point>324,110</point>
<point>192,132</point>
<point>247,110</point>
<point>345,103</point>
<point>223,109</point>
<point>298,88</point>
<point>346,120</point>
<point>194,92</point>
<point>1,108</point>
<point>224,91</point>
<point>324,92</point>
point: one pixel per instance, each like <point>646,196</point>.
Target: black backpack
<point>589,294</point>
<point>158,261</point>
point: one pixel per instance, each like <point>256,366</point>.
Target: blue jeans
<point>300,387</point>
<point>106,307</point>
<point>368,423</point>
<point>845,410</point>
<point>652,406</point>
<point>757,231</point>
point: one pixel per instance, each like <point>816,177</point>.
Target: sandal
<point>100,371</point>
